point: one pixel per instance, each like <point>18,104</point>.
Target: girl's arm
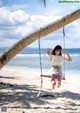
<point>49,54</point>
<point>69,58</point>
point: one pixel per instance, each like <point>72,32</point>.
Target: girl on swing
<point>57,60</point>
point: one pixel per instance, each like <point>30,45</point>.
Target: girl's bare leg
<point>59,84</point>
<point>59,81</point>
<point>53,84</point>
<point>53,81</point>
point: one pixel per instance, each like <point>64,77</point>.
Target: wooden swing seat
<point>49,76</point>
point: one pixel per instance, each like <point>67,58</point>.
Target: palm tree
<point>44,2</point>
<point>29,38</point>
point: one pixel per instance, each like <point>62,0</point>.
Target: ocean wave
<point>31,55</point>
<point>37,55</point>
<point>75,54</point>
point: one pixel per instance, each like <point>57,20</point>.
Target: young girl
<point>57,60</point>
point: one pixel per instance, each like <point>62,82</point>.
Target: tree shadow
<point>7,77</point>
<point>69,95</point>
<point>21,94</point>
<point>25,95</point>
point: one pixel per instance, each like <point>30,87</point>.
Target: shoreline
<point>70,76</point>
<point>20,91</point>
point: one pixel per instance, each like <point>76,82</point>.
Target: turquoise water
<point>29,58</point>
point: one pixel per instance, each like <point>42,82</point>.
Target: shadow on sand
<point>24,95</point>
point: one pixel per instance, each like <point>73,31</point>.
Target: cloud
<point>18,23</point>
<point>35,22</point>
<point>10,21</point>
<point>8,17</point>
<point>76,26</point>
<point>21,22</point>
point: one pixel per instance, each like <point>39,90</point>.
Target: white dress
<point>56,61</point>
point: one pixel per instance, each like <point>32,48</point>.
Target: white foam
<point>31,55</point>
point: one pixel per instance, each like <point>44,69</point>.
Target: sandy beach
<point>20,91</point>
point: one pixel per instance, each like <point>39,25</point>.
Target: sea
<point>29,60</point>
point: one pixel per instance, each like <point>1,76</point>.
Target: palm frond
<point>44,2</point>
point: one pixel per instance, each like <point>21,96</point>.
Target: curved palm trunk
<point>28,39</point>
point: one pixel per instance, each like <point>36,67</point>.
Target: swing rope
<point>40,55</point>
<point>64,48</point>
<point>41,75</point>
<point>40,66</point>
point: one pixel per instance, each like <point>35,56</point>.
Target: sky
<point>20,17</point>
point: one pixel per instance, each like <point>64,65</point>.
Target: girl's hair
<point>58,47</point>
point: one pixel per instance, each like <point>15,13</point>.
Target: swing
<point>44,75</point>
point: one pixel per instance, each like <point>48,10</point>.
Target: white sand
<point>20,91</point>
